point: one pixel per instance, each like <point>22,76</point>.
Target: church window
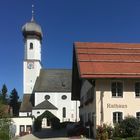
<point>47,97</point>
<point>64,112</point>
<point>137,89</point>
<point>31,46</point>
<point>64,97</point>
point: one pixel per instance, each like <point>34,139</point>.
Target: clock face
<point>30,65</point>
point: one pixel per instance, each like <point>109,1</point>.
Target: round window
<point>38,112</point>
<point>64,97</point>
<point>47,97</point>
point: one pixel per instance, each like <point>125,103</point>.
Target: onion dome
<point>32,29</point>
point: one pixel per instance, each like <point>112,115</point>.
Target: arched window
<point>64,112</point>
<point>31,46</point>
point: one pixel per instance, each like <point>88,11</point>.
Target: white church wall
<point>72,107</point>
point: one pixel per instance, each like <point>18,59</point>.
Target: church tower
<point>32,33</point>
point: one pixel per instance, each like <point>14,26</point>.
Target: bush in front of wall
<point>129,127</point>
<point>101,132</point>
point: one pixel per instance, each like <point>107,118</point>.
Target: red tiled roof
<point>108,60</point>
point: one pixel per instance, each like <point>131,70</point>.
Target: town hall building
<point>106,80</point>
<point>43,89</point>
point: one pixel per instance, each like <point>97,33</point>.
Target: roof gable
<point>45,105</point>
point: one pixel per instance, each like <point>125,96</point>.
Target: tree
<point>5,122</point>
<point>14,102</point>
<point>128,127</point>
<point>4,93</point>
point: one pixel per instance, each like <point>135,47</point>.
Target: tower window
<point>31,46</point>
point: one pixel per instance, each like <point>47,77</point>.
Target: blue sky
<point>63,22</point>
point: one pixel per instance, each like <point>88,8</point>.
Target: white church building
<point>43,89</point>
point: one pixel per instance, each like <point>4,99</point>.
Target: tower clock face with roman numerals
<point>30,65</point>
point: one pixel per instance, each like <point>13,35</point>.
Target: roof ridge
<point>107,43</point>
<point>55,69</point>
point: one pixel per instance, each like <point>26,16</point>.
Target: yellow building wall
<point>106,104</point>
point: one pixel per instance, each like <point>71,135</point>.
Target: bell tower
<point>32,34</point>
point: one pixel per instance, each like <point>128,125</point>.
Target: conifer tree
<point>4,93</point>
<point>14,102</point>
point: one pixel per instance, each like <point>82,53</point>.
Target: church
<point>43,89</point>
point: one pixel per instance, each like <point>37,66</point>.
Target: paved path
<point>48,134</point>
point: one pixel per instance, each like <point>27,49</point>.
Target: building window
<point>137,89</point>
<point>117,89</point>
<point>38,112</point>
<point>31,46</point>
<point>64,112</point>
<point>22,128</point>
<point>138,115</point>
<point>28,128</point>
<point>117,117</point>
<point>47,97</point>
<point>64,97</point>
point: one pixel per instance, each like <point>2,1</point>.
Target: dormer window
<point>31,46</point>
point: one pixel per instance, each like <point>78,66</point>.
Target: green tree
<point>14,102</point>
<point>5,122</point>
<point>4,93</point>
<point>128,127</point>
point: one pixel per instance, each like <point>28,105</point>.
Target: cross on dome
<point>32,19</point>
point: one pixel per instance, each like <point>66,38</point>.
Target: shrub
<point>4,135</point>
<point>101,132</point>
<point>129,127</point>
<point>64,124</point>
